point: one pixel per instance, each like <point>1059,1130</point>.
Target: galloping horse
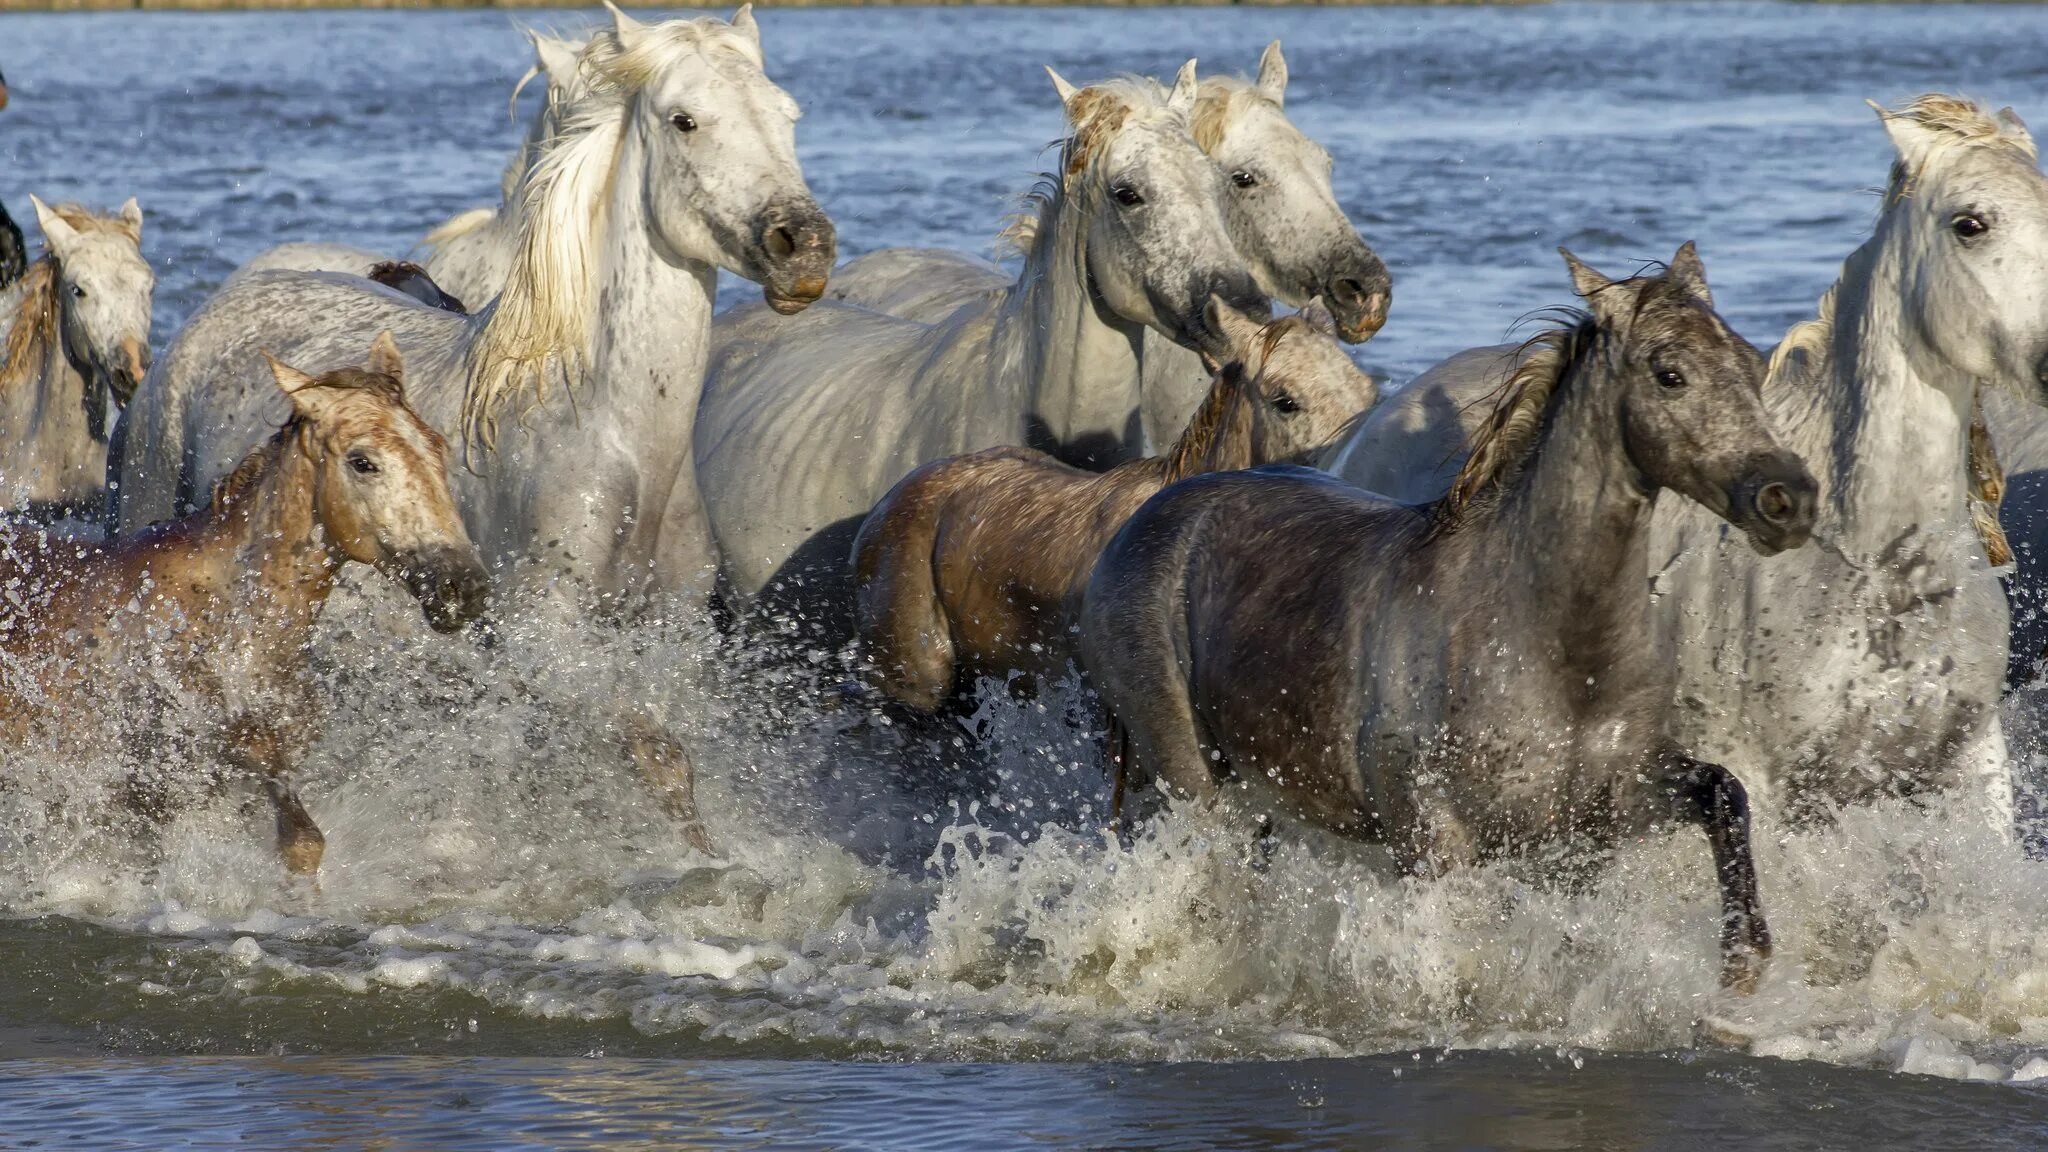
<point>77,344</point>
<point>807,424</point>
<point>225,599</point>
<point>1479,676</point>
<point>575,392</point>
<point>973,564</point>
<point>1283,215</point>
<point>1873,664</point>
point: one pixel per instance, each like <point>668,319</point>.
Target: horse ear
<point>1910,138</point>
<point>1182,99</point>
<point>1319,318</point>
<point>557,58</point>
<point>288,378</point>
<point>131,218</point>
<point>2012,127</point>
<point>624,25</point>
<point>1273,74</point>
<point>1059,84</point>
<point>1585,281</point>
<point>57,233</point>
<point>1239,329</point>
<point>743,23</point>
<point>1688,273</point>
<point>384,357</point>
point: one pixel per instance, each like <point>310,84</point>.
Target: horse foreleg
<point>666,767</point>
<point>260,749</point>
<point>1710,796</point>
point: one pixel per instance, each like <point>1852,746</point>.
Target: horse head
<point>380,486</point>
<point>1282,211</point>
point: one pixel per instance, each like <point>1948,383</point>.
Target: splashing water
<point>488,846</point>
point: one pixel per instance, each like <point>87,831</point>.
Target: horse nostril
<point>780,242</point>
<point>1774,503</point>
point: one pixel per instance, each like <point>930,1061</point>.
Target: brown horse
<point>1479,677</point>
<point>224,601</point>
<point>970,564</point>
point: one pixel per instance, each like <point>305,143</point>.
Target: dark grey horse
<point>1478,676</point>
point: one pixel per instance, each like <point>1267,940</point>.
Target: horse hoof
<point>1741,972</point>
<point>1712,1032</point>
<point>695,835</point>
<point>302,853</point>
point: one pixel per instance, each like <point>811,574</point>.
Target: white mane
<point>537,334</point>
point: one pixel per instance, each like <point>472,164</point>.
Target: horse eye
<point>78,291</point>
<point>361,464</point>
<point>1968,225</point>
<point>1127,196</point>
<point>1286,402</point>
<point>1670,379</point>
<point>1244,179</point>
<point>684,122</point>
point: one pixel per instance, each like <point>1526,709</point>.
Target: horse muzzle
<point>795,247</point>
<point>128,370</point>
<point>450,583</point>
<point>1358,298</point>
<point>1776,506</point>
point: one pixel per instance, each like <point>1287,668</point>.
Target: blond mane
<point>536,337</point>
<point>1217,101</point>
<point>1503,443</point>
<point>38,316</point>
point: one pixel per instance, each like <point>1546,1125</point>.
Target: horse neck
<point>266,544</point>
<point>1569,539</point>
<point>652,336</point>
<point>1890,436</point>
<point>1059,357</point>
<point>1219,436</point>
<point>52,423</point>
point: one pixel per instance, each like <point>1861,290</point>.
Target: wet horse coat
<point>1476,677</point>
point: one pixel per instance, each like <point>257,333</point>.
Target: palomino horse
<point>972,564</point>
<point>77,344</point>
<point>1283,217</point>
<point>1872,664</point>
<point>807,424</point>
<point>226,599</point>
<point>575,392</point>
<point>470,255</point>
<point>1476,677</point>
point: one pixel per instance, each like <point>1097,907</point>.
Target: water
<point>500,900</point>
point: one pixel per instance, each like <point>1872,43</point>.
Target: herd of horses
<point>1628,575</point>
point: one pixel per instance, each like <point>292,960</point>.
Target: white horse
<point>680,160</point>
<point>77,336</point>
<point>805,425</point>
<point>1283,216</point>
<point>470,254</point>
<point>1872,664</point>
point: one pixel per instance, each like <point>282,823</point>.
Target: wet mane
<point>1503,443</point>
<point>535,338</point>
<point>35,329</point>
<point>1190,452</point>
